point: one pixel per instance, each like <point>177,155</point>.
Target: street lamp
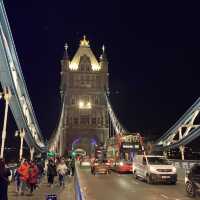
<point>21,134</point>
<point>6,95</point>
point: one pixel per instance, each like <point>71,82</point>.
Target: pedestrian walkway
<point>63,193</point>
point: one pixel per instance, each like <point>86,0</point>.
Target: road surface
<point>125,187</point>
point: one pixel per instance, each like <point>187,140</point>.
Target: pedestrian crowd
<point>29,174</point>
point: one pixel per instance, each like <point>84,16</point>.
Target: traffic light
<point>73,153</point>
<point>50,154</point>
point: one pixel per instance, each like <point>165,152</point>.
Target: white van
<point>154,168</point>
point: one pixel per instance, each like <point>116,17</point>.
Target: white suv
<point>154,168</point>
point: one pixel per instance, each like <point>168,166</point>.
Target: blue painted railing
<point>79,194</point>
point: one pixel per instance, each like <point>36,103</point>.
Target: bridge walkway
<point>63,193</point>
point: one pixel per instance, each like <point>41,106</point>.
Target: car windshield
<point>158,161</point>
<point>126,161</point>
<point>196,169</point>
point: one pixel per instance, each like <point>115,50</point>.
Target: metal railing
<point>185,164</point>
<point>79,190</point>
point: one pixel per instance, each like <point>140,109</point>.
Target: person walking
<point>17,179</point>
<point>23,170</point>
<point>41,171</point>
<point>33,176</point>
<point>72,166</point>
<point>4,174</point>
<point>62,171</point>
<point>51,172</point>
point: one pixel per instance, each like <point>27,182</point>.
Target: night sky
<point>153,50</point>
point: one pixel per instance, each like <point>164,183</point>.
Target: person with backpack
<point>33,176</point>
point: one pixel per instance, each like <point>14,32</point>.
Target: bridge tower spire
<point>104,66</point>
<point>64,67</point>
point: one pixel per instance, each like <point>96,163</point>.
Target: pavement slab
<point>63,193</point>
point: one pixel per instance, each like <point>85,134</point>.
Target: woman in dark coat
<point>51,172</point>
<point>4,174</point>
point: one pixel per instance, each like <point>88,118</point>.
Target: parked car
<point>100,166</point>
<point>85,162</point>
<point>192,180</point>
<point>152,168</point>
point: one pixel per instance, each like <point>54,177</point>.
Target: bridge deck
<point>125,187</point>
<point>66,193</point>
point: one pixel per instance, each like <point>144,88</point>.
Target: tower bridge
<point>86,118</point>
<point>86,113</point>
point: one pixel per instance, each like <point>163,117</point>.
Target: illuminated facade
<point>84,81</point>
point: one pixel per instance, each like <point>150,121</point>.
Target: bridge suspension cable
<point>56,137</point>
<point>11,77</point>
<point>119,129</point>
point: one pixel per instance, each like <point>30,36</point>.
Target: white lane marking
<point>186,198</point>
<point>134,182</point>
<point>164,196</point>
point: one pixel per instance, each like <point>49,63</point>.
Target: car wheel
<point>135,175</point>
<point>107,172</point>
<point>149,179</point>
<point>173,183</point>
<point>190,189</point>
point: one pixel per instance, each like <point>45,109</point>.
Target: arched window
<point>85,64</point>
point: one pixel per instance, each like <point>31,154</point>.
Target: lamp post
<point>6,95</point>
<point>21,134</point>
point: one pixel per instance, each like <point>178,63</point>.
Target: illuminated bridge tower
<point>84,81</point>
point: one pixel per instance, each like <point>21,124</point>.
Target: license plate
<point>165,176</point>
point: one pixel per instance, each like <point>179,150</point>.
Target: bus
<point>121,149</point>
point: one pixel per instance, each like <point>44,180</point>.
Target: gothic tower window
<point>73,100</point>
<point>93,120</point>
<point>96,100</point>
<point>75,120</point>
<point>84,119</point>
<point>85,64</point>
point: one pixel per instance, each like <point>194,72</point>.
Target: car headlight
<point>174,169</point>
<point>152,169</point>
<point>121,163</point>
